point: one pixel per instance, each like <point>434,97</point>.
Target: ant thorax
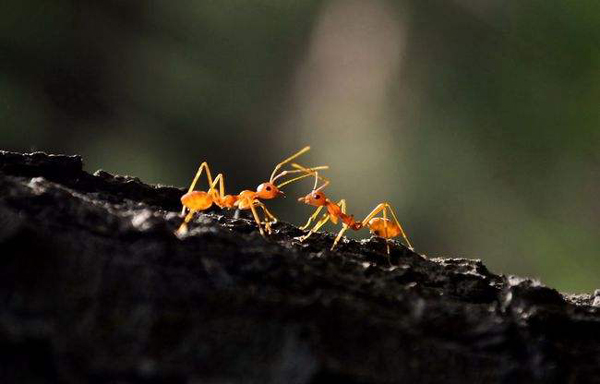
<point>245,199</point>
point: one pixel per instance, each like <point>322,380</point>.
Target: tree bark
<point>96,287</point>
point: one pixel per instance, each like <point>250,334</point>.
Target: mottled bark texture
<point>95,287</point>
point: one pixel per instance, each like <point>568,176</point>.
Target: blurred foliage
<point>478,121</point>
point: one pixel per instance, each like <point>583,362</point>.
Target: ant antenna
<point>312,171</point>
<point>308,172</point>
<point>305,170</point>
<point>300,152</point>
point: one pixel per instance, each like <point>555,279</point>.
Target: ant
<point>197,201</point>
<point>379,226</point>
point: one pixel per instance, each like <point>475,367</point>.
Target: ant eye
<point>317,196</point>
<point>268,188</point>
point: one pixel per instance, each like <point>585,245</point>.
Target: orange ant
<point>197,201</point>
<point>379,226</point>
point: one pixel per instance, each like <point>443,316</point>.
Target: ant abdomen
<point>384,228</point>
<point>197,200</point>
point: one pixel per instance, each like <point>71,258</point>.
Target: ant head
<point>316,198</point>
<point>267,191</point>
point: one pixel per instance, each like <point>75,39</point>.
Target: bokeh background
<point>477,120</point>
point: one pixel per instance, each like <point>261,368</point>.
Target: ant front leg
<point>269,217</point>
<point>326,217</point>
<point>312,218</point>
<point>256,218</point>
<point>318,225</point>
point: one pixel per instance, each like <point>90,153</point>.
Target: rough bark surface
<point>95,287</point>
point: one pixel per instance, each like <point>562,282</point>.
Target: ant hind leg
<point>399,226</point>
<point>383,207</point>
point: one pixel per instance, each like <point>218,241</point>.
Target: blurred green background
<point>477,120</point>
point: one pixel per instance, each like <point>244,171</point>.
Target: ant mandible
<point>379,226</point>
<point>197,201</point>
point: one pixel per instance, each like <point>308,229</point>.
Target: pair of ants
<point>198,201</point>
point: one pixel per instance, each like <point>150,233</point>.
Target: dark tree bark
<point>96,287</point>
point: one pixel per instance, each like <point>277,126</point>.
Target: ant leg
<point>221,180</point>
<point>183,227</point>
<point>373,213</point>
<point>342,204</point>
<point>220,194</point>
<point>399,226</point>
<point>385,231</point>
<point>199,173</point>
<point>326,217</point>
<point>197,177</point>
<point>339,236</point>
<point>382,207</point>
<point>269,217</point>
<point>269,214</point>
<point>319,224</point>
<point>312,218</point>
<point>256,218</point>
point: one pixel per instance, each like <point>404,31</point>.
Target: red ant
<point>197,201</point>
<point>379,226</point>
